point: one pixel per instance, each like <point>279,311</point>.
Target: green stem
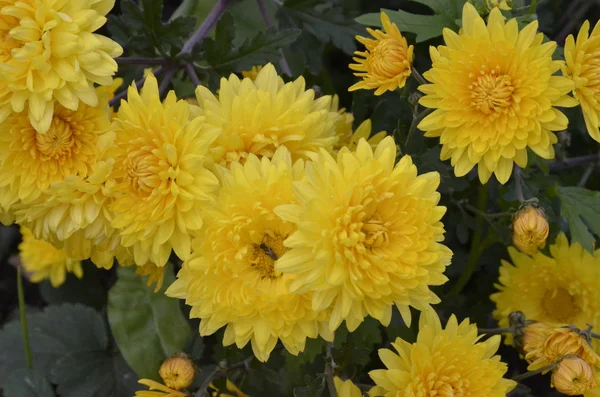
<point>476,245</point>
<point>493,331</point>
<point>23,314</point>
<point>414,124</point>
<point>418,76</point>
<point>529,374</point>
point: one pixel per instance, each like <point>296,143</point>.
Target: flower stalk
<point>329,368</point>
<point>23,315</point>
<point>538,371</point>
<point>283,63</point>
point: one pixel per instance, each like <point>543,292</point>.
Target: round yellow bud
<point>177,372</point>
<point>573,376</point>
<point>530,229</point>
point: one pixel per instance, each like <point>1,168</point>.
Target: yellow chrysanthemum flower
<point>447,361</point>
<point>530,229</point>
<point>157,390</point>
<point>560,289</point>
<point>235,257</point>
<point>50,55</point>
<point>44,261</point>
<point>494,95</point>
<point>345,388</point>
<point>583,68</point>
<point>73,214</point>
<point>345,135</point>
<point>160,174</point>
<point>252,74</point>
<point>574,377</point>
<point>256,117</point>
<point>386,63</point>
<point>30,162</point>
<point>368,237</point>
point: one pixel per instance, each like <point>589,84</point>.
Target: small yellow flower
<point>583,68</point>
<point>252,73</point>
<point>345,388</point>
<point>386,63</point>
<point>44,261</point>
<point>573,376</point>
<point>530,229</point>
<point>177,372</point>
<point>231,390</point>
<point>505,5</point>
<point>450,361</point>
<point>156,274</point>
<point>157,390</point>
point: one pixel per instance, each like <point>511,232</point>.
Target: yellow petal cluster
<point>257,116</point>
<point>530,229</point>
<point>386,62</point>
<point>505,5</point>
<point>231,279</point>
<point>448,361</point>
<point>494,95</point>
<point>345,388</point>
<point>231,390</point>
<point>573,377</point>
<point>369,235</point>
<point>252,74</point>
<point>557,289</point>
<point>583,68</point>
<point>44,261</point>
<point>157,390</point>
<point>160,175</point>
<point>50,57</point>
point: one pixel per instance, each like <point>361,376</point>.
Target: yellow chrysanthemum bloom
<point>160,174</point>
<point>231,390</point>
<point>252,74</point>
<point>235,257</point>
<point>560,289</point>
<point>494,95</point>
<point>345,135</point>
<point>177,372</point>
<point>386,63</point>
<point>583,68</point>
<point>50,55</point>
<point>157,390</point>
<point>574,376</point>
<point>256,117</point>
<point>30,162</point>
<point>368,237</point>
<point>44,261</point>
<point>156,274</point>
<point>530,229</point>
<point>73,214</point>
<point>345,388</point>
<point>447,361</point>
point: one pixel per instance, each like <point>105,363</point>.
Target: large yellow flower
<point>386,63</point>
<point>447,361</point>
<point>161,180</point>
<point>582,67</point>
<point>368,236</point>
<point>560,289</point>
<point>494,95</point>
<point>231,277</point>
<point>50,55</point>
<point>30,161</point>
<point>257,116</point>
<point>44,261</point>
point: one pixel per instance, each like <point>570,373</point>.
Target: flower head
<point>494,95</point>
<point>368,237</point>
<point>583,68</point>
<point>157,390</point>
<point>573,376</point>
<point>446,361</point>
<point>257,116</point>
<point>50,55</point>
<point>160,177</point>
<point>560,289</point>
<point>231,279</point>
<point>177,372</point>
<point>386,63</point>
<point>252,74</point>
<point>345,388</point>
<point>530,229</point>
<point>44,261</point>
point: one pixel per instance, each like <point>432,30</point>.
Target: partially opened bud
<point>573,376</point>
<point>534,339</point>
<point>177,372</point>
<point>530,229</point>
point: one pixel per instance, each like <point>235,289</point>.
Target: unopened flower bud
<point>530,229</point>
<point>573,376</point>
<point>177,372</point>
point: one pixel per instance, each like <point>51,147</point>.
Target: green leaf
<point>581,208</point>
<point>147,326</point>
<point>314,387</point>
<point>27,382</point>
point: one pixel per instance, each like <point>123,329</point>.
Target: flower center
<point>139,172</point>
<point>376,232</point>
<point>58,142</point>
<point>560,305</point>
<point>491,91</point>
<point>266,253</point>
<point>388,58</point>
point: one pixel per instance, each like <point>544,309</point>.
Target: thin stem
<point>207,25</point>
<point>206,384</point>
<point>485,214</point>
<point>529,374</point>
<point>165,81</point>
<point>418,76</point>
<point>283,63</point>
<point>221,369</point>
<point>586,175</point>
<point>142,61</point>
<point>189,68</point>
<point>519,184</point>
<point>493,331</point>
<point>23,315</point>
<point>329,367</point>
<point>415,123</point>
<point>123,94</point>
<point>476,244</point>
<point>595,335</point>
<point>574,162</point>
